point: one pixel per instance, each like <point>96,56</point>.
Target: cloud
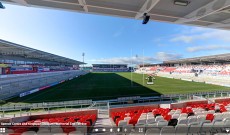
<point>118,32</point>
<point>158,39</point>
<point>159,57</point>
<point>187,35</point>
<point>186,39</point>
<point>162,56</point>
<point>208,48</point>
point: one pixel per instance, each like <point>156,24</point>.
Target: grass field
<point>99,86</point>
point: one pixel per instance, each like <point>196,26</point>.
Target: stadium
<point>44,93</point>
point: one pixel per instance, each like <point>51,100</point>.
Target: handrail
<point>45,105</point>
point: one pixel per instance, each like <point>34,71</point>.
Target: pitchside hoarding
<point>38,89</point>
<point>28,92</point>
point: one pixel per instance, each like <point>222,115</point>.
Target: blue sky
<point>106,39</point>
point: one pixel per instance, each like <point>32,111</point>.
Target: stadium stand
<point>110,68</point>
<point>210,71</point>
<point>154,68</point>
<point>190,117</point>
<point>78,122</point>
<point>19,61</point>
<point>25,73</point>
<point>21,85</point>
<point>201,69</point>
<point>168,69</point>
<point>181,118</point>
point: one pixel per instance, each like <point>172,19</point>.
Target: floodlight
<point>181,2</point>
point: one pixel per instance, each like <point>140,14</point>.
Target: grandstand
<point>24,70</point>
<point>18,59</point>
<point>208,69</point>
<point>110,68</point>
<point>197,117</point>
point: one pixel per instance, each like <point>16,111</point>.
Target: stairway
<point>103,114</point>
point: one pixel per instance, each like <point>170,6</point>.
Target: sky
<point>106,39</point>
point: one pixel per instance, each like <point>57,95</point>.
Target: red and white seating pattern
<point>168,69</point>
<point>206,69</point>
<point>204,117</point>
<point>71,125</point>
<point>184,69</point>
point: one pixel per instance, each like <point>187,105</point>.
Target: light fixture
<point>145,18</point>
<point>1,6</point>
<point>181,2</point>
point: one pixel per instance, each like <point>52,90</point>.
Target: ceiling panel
<point>228,28</point>
<point>218,17</point>
<point>164,10</point>
<point>61,1</point>
<point>52,4</point>
<point>199,23</point>
<point>132,5</point>
<point>5,1</point>
<point>167,7</point>
<point>162,18</point>
<point>111,12</point>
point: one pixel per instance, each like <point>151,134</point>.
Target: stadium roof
<point>205,13</point>
<point>12,49</point>
<point>212,58</point>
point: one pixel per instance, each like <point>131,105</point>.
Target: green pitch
<point>100,86</point>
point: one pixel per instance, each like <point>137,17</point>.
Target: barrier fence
<point>19,110</point>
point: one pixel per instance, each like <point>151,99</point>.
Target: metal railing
<point>20,109</point>
<point>89,104</point>
<point>45,105</point>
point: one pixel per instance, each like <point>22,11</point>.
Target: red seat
<point>20,130</point>
<point>209,117</point>
<point>167,117</point>
<point>134,120</point>
<point>69,129</point>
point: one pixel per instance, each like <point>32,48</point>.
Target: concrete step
<point>103,122</point>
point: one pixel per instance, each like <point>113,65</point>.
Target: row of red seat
<point>88,120</point>
<point>211,106</point>
<point>117,116</point>
<point>154,68</point>
<point>169,69</point>
<point>23,72</point>
<point>135,114</point>
<point>20,130</point>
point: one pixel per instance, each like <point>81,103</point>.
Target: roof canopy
<point>212,58</point>
<point>205,13</point>
<point>12,49</point>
